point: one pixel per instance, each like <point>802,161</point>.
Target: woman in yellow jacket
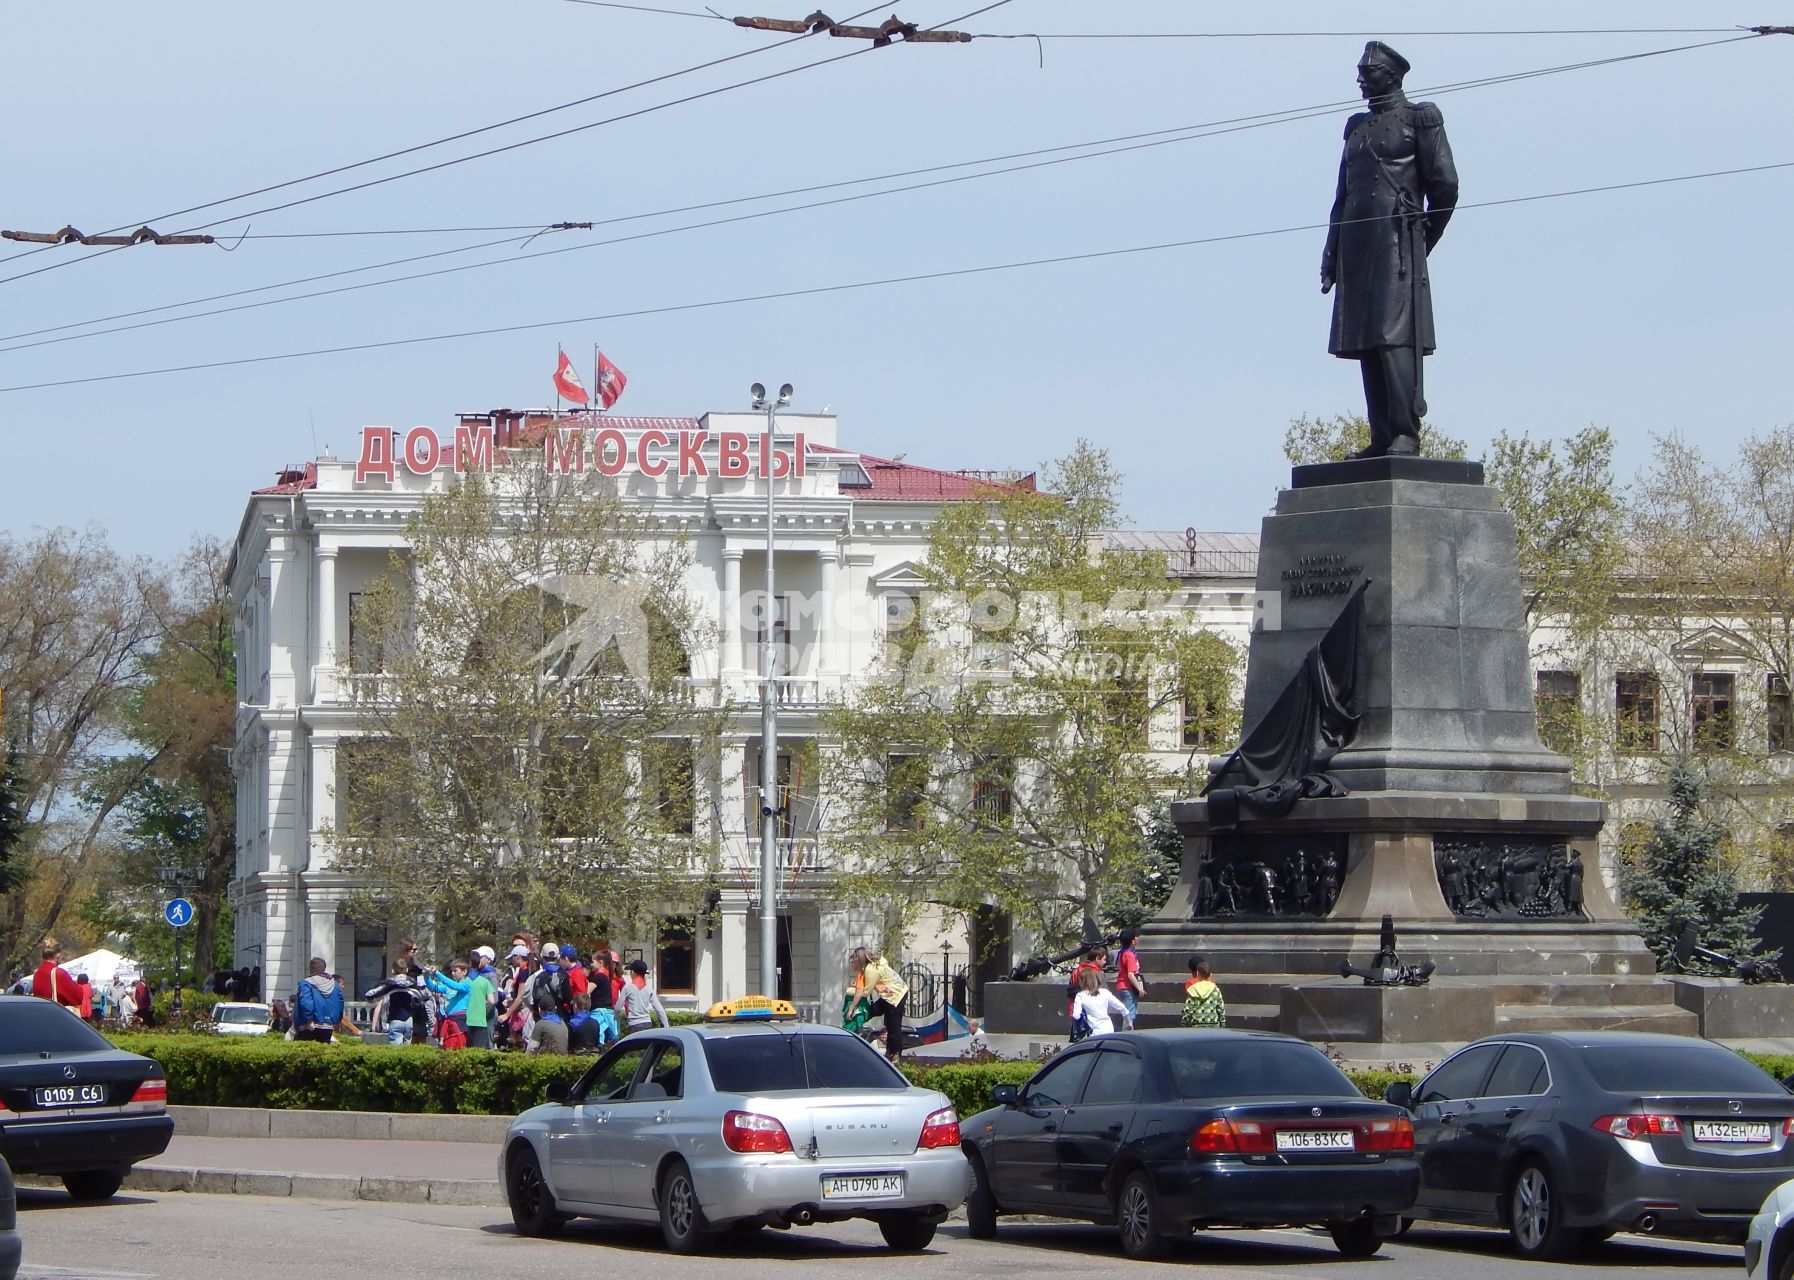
<point>888,993</point>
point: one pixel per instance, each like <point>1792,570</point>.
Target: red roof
<point>292,480</point>
<point>897,481</point>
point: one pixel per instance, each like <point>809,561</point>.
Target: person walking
<point>548,996</point>
<point>887,992</point>
<point>318,1007</point>
<point>469,997</point>
<point>1130,987</point>
<point>1098,1006</point>
<point>637,1004</point>
<point>1204,1006</point>
<point>53,982</point>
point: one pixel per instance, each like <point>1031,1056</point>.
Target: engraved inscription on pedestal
<point>1509,877</point>
<point>1270,876</point>
<point>1321,575</point>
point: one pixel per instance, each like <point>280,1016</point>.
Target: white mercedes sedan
<point>736,1125</point>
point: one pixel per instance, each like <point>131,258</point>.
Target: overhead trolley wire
<point>851,286</point>
<point>1354,35</point>
<point>443,141</point>
<point>1106,146</point>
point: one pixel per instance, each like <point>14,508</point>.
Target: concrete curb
<point>304,1186</point>
<point>373,1126</point>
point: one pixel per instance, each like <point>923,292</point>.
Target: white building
<point>850,531</point>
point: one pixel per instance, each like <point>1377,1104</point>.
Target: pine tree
<point>1680,878</point>
<point>12,822</point>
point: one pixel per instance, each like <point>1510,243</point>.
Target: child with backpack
<point>1204,1006</point>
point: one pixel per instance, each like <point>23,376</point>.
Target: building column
<point>734,937</point>
<point>730,619</point>
<point>324,674</point>
<point>283,941</point>
<point>828,627</point>
<point>323,936</point>
<point>323,803</point>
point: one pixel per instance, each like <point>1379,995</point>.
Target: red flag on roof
<point>566,383</point>
<point>611,382</point>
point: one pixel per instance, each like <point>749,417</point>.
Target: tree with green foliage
<point>1001,753</point>
<point>531,740</point>
<point>1309,440</point>
<point>12,822</point>
<point>1681,876</point>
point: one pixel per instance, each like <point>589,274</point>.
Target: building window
<point>1780,713</point>
<point>670,783</point>
<point>1710,695</point>
<point>373,785</point>
<point>902,615</point>
<point>1196,718</point>
<point>903,793</point>
<point>675,969</point>
<point>790,785</point>
<point>1130,710</point>
<point>991,648</point>
<point>366,654</point>
<point>993,795</point>
<point>1557,697</point>
<point>1635,711</point>
<point>783,660</point>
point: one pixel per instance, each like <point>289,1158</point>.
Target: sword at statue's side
<point>1417,258</point>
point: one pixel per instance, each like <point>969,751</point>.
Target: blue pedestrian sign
<point>178,912</point>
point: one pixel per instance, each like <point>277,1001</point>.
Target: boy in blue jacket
<point>319,1007</point>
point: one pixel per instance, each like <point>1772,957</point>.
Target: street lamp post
<point>770,807</point>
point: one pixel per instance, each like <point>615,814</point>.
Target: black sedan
<point>1567,1138</point>
<point>71,1104</point>
<point>1163,1132</point>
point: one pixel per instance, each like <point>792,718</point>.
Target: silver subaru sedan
<point>734,1126</point>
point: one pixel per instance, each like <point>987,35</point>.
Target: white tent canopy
<point>101,966</point>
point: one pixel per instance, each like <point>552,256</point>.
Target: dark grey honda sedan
<point>1567,1138</point>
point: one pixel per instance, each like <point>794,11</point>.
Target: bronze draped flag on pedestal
<point>1284,757</point>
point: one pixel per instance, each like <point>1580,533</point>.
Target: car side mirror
<point>557,1090</point>
<point>1006,1095</point>
<point>1399,1093</point>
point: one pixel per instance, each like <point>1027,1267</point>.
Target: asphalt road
<point>198,1237</point>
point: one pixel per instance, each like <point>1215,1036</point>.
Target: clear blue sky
<point>1656,310</point>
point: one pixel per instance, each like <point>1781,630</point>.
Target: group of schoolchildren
<point>1095,1010</point>
<point>544,999</point>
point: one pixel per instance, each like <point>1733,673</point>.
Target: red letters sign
<point>571,450</point>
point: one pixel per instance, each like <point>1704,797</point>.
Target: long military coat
<point>1397,188</point>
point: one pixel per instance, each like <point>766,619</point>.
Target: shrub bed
<point>213,1071</point>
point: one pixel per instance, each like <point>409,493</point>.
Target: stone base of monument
<point>1446,1011</point>
<point>1731,1010</point>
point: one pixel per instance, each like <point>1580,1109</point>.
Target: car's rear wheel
<point>1536,1216</point>
<point>1356,1239</point>
<point>682,1223</point>
<point>94,1184</point>
<point>1137,1216</point>
<point>528,1194</point>
<point>910,1233</point>
<point>981,1203</point>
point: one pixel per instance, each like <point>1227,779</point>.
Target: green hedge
<point>226,1072</point>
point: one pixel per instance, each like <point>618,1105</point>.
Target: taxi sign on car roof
<point>749,1009</point>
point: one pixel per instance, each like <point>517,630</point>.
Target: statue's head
<point>1380,71</point>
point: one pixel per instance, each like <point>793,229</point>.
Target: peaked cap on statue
<point>1378,53</point>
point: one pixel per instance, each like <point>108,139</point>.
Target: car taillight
<point>940,1130</point>
<point>155,1091</point>
<point>1234,1137</point>
<point>1638,1128</point>
<point>1393,1134</point>
<point>748,1131</point>
<point>1787,1126</point>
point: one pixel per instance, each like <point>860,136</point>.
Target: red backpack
<point>453,1037</point>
